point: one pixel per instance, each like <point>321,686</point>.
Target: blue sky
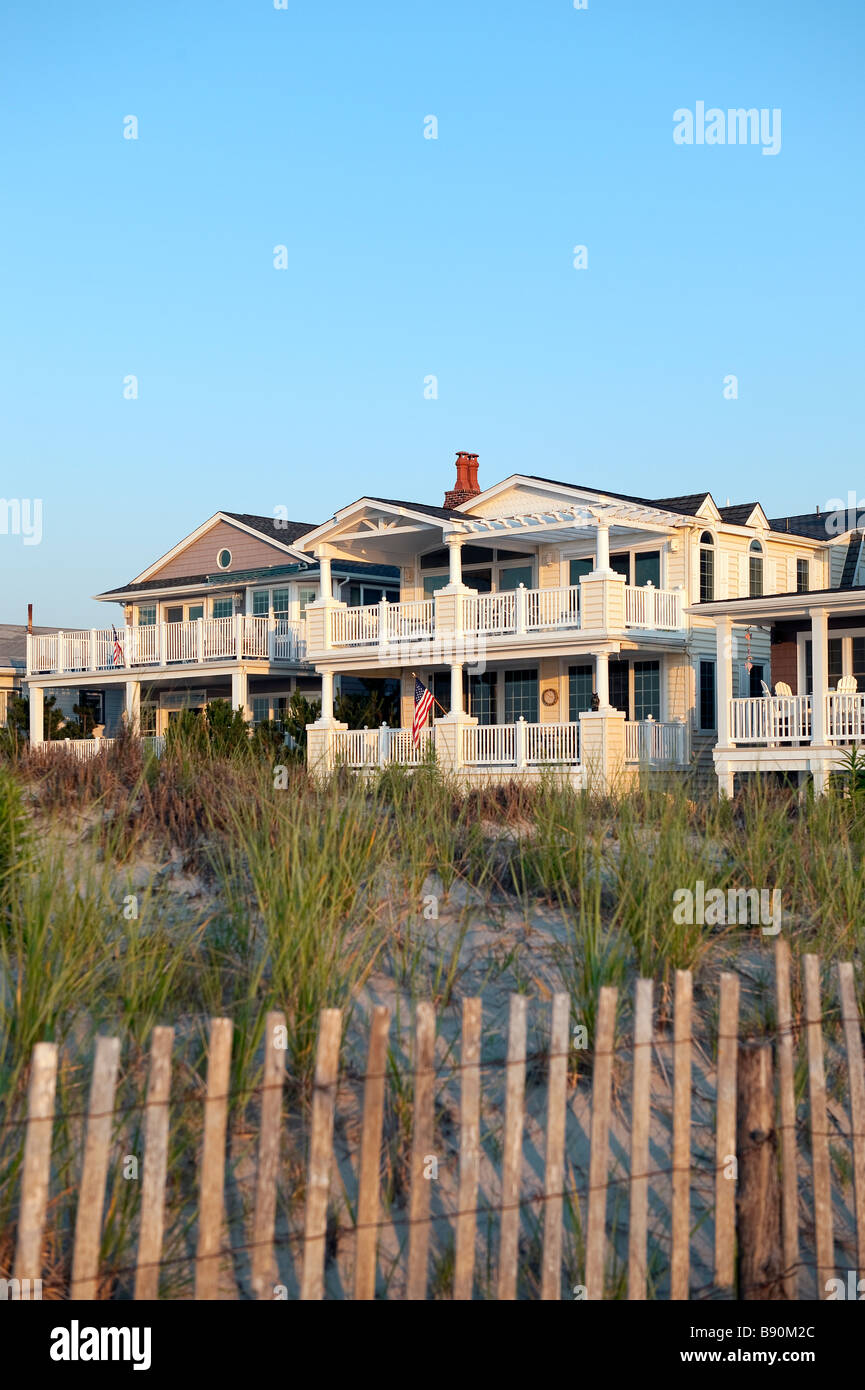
<point>410,257</point>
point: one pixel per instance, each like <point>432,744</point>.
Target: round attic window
<point>223,559</point>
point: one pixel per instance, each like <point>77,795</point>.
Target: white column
<point>724,677</point>
<point>133,706</point>
<point>819,673</point>
<point>37,715</point>
<point>521,605</point>
<point>326,715</point>
<point>602,679</point>
<point>326,577</point>
<point>456,691</point>
<point>602,548</point>
<point>454,545</point>
<point>240,692</point>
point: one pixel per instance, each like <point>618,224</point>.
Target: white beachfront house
<point>568,625</point>
<point>220,616</point>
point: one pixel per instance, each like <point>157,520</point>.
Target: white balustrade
<point>770,719</point>
<point>245,636</point>
<point>552,743</point>
<point>653,609</point>
<point>845,717</point>
<point>656,742</point>
<point>551,609</point>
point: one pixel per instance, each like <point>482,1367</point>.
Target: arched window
<point>755,569</point>
<point>707,567</point>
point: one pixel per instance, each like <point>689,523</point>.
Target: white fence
<point>845,717</point>
<point>771,719</point>
<point>244,636</point>
<point>660,744</point>
<point>367,748</point>
<point>653,609</point>
<point>86,748</point>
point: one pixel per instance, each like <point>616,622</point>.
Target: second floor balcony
<point>198,642</point>
<point>513,613</point>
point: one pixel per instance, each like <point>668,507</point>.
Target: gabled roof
<point>444,512</point>
<point>273,528</point>
<point>687,504</point>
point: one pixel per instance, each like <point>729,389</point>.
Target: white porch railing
<point>86,748</point>
<point>490,613</point>
<point>771,719</point>
<point>521,744</point>
<point>490,745</point>
<point>243,636</point>
<point>653,609</point>
<point>845,717</point>
<point>550,609</point>
<point>653,742</point>
<point>368,748</point>
<point>552,743</point>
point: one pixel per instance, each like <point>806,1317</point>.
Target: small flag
<point>118,650</point>
<point>422,704</point>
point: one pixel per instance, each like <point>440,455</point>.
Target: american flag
<point>118,650</point>
<point>422,704</point>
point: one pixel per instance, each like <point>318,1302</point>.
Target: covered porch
<point>810,707</point>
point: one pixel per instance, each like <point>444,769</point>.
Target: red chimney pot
<point>467,480</point>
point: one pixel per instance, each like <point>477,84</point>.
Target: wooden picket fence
<point>746,1102</point>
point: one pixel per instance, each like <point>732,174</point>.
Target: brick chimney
<point>467,480</point>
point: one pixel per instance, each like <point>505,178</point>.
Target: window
<point>433,582</point>
<point>803,582</point>
<point>580,687</point>
<point>755,570</point>
<point>707,573</point>
<point>859,662</point>
<point>482,697</point>
<point>707,707</point>
<point>260,709</point>
<point>514,576</point>
<point>222,608</point>
<point>306,597</point>
<point>647,689</point>
<point>223,559</point>
<point>261,603</point>
<point>619,685</point>
<point>194,611</point>
<point>441,689</point>
<point>95,702</point>
<point>755,681</point>
<point>647,567</point>
<point>579,568</point>
<point>621,564</point>
<point>146,614</point>
<point>521,696</point>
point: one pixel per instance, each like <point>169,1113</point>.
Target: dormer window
<point>755,570</point>
<point>223,559</point>
<point>707,567</point>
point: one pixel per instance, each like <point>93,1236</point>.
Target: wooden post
<point>91,1194</point>
<point>680,1261</point>
<point>512,1157</point>
<point>554,1175</point>
<point>36,1174</point>
<point>368,1203</point>
<point>212,1199</point>
<point>819,1128</point>
<point>786,1087</point>
<point>757,1198</point>
<point>602,1077</point>
<point>320,1153</point>
<point>725,1134</point>
<point>853,1036</point>
<point>155,1165</point>
<point>264,1267</point>
<point>470,1148</point>
<point>640,1107</point>
<point>422,1141</point>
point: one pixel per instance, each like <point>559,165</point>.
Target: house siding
<point>247,552</point>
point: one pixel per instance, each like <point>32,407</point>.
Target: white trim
<point>202,530</point>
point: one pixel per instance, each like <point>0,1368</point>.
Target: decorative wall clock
<point>550,696</point>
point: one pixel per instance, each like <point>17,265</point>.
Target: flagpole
<point>435,701</point>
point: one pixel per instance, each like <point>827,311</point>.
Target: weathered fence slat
<point>786,1087</point>
<point>212,1184</point>
<point>155,1165</point>
<point>36,1173</point>
<point>554,1164</point>
<point>91,1193</point>
<point>422,1140</point>
<point>470,1148</point>
<point>853,1036</point>
<point>320,1153</point>
<point>725,1133</point>
<point>602,1076</point>
<point>264,1268</point>
<point>758,1207</point>
<point>821,1173</point>
<point>369,1182</point>
<point>640,1108</point>
<point>512,1157</point>
<point>680,1262</point>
